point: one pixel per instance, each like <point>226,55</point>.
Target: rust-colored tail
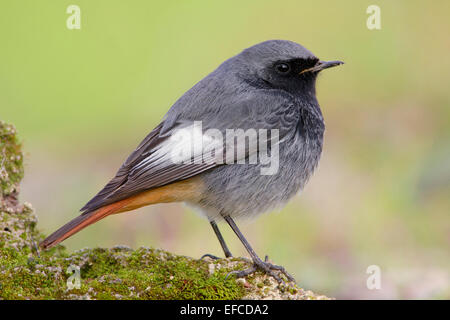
<point>178,191</point>
<point>79,223</point>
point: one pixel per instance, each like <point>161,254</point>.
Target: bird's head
<point>282,64</point>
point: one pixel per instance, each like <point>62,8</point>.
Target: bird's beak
<point>322,65</point>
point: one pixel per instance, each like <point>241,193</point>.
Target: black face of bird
<point>295,75</point>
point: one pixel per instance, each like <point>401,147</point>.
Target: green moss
<point>112,274</point>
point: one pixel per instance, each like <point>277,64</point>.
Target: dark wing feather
<point>128,182</point>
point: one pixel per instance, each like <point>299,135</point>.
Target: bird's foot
<point>265,266</point>
<point>211,256</point>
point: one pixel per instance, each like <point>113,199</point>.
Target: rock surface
<point>116,273</point>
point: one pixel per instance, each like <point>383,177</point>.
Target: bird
<point>267,94</point>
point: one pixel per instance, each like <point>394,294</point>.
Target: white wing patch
<point>190,145</point>
<point>187,145</point>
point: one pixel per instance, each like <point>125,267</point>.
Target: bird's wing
<point>170,153</point>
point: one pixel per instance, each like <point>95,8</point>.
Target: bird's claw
<point>265,266</point>
<point>210,256</point>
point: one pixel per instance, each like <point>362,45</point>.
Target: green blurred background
<point>83,99</point>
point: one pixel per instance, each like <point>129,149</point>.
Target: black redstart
<point>242,141</point>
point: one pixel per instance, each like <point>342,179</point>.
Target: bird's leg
<point>221,240</point>
<point>222,243</point>
<point>257,262</point>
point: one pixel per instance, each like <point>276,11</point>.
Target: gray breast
<point>239,190</point>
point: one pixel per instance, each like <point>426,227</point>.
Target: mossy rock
<point>11,160</point>
<point>116,273</point>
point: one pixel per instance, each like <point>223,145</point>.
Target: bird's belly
<point>240,190</point>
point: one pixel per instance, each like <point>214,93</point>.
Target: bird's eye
<point>282,68</point>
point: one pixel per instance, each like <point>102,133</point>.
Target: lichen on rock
<point>115,273</point>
